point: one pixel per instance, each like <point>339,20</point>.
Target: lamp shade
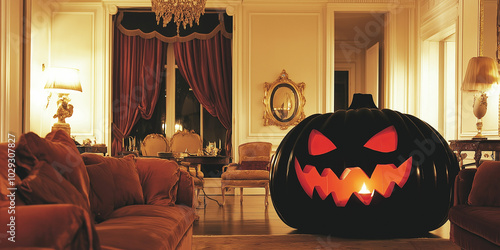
<point>482,73</point>
<point>63,79</point>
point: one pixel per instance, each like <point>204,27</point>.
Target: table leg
<point>477,157</point>
<point>460,159</point>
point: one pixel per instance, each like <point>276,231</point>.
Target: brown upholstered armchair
<point>154,144</point>
<point>184,143</point>
<point>251,171</point>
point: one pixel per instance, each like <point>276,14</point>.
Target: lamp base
<point>62,126</point>
<point>479,138</point>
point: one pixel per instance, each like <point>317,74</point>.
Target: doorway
<point>359,49</point>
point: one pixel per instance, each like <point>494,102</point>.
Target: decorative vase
<point>479,108</point>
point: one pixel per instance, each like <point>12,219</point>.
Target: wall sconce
<point>481,75</point>
<point>63,81</point>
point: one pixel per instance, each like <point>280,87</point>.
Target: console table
<point>477,146</point>
<point>211,165</point>
<point>205,159</point>
<point>98,148</point>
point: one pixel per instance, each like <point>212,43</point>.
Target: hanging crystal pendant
<point>183,11</point>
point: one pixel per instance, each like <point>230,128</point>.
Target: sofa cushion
<point>245,175</point>
<point>485,185</point>
<point>59,151</point>
<point>159,180</point>
<point>61,226</point>
<point>116,174</point>
<point>44,185</point>
<point>185,190</point>
<point>102,191</point>
<point>146,227</point>
<point>483,221</point>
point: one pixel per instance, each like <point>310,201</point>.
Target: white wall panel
<point>71,45</point>
<point>274,38</point>
<point>69,34</point>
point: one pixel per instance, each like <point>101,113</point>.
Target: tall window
<point>185,113</point>
<point>188,114</point>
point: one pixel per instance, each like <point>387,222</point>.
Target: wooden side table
<point>477,146</point>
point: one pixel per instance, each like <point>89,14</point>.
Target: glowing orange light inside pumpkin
<point>364,190</point>
<point>382,180</point>
<point>364,194</point>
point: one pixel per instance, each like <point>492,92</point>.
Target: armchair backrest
<point>255,151</point>
<point>154,143</point>
<point>186,141</point>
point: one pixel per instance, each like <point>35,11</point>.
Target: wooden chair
<point>185,143</point>
<point>251,171</point>
<point>154,144</point>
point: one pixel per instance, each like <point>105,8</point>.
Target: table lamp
<point>482,73</point>
<point>63,81</point>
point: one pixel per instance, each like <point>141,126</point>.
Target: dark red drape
<point>137,67</point>
<point>207,67</point>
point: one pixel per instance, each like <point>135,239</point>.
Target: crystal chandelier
<point>184,11</point>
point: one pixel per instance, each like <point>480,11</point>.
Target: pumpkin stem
<point>362,101</point>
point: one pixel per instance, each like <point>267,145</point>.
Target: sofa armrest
<point>463,185</point>
<point>58,226</point>
<point>185,190</point>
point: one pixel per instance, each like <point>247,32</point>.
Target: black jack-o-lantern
<point>363,172</point>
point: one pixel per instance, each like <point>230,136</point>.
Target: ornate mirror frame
<point>284,102</point>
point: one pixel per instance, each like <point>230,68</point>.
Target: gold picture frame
<point>284,102</point>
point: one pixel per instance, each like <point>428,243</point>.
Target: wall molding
<point>12,77</point>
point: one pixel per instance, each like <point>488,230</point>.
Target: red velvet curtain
<point>207,67</point>
<point>137,67</point>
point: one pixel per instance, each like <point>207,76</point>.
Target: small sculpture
<point>64,109</point>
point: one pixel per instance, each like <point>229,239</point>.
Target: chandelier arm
<point>183,11</point>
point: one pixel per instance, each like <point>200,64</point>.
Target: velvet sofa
<point>54,198</point>
<point>475,215</point>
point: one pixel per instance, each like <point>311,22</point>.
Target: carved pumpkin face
<point>363,171</point>
<point>353,180</point>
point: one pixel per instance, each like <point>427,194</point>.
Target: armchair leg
<point>241,195</point>
<point>223,195</point>
<point>267,194</point>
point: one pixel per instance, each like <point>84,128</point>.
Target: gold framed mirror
<point>284,102</point>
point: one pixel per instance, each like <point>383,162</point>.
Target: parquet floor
<point>253,218</point>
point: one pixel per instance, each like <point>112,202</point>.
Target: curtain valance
<point>143,23</point>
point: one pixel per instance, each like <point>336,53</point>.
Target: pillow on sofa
<point>102,190</point>
<point>116,174</point>
<point>44,185</point>
<point>485,186</point>
<point>159,180</point>
<point>59,151</point>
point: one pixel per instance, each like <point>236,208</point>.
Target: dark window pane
<point>213,131</point>
<point>154,125</point>
<point>187,107</point>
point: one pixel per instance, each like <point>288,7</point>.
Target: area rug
<point>307,241</point>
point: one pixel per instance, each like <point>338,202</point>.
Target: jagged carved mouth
<point>353,181</point>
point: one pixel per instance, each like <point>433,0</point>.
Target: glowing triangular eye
<point>319,144</point>
<point>384,141</point>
